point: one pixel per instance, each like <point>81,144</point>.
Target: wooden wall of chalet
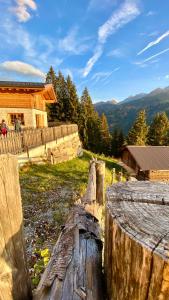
<point>22,100</point>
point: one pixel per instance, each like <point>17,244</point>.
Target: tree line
<point>155,134</point>
<point>93,129</point>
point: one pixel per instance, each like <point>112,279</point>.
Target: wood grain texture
<point>75,269</point>
<point>100,177</point>
<point>90,195</point>
<point>14,281</point>
<point>137,241</point>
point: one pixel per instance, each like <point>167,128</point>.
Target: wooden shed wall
<point>128,159</point>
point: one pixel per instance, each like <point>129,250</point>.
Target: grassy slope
<point>74,174</point>
<point>48,193</point>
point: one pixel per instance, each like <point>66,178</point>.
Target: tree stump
<point>137,241</point>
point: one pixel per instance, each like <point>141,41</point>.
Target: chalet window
<point>12,118</point>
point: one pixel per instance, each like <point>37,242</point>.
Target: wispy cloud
<point>93,60</point>
<point>151,58</point>
<point>103,76</point>
<point>154,33</point>
<point>23,8</point>
<point>106,79</point>
<point>156,55</point>
<point>155,42</point>
<point>128,11</point>
<point>116,53</point>
<point>150,13</point>
<point>38,50</point>
<point>21,68</point>
<point>167,76</point>
<point>72,43</point>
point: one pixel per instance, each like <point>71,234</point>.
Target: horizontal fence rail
<point>16,143</point>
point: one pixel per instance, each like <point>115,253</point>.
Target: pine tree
<point>89,123</point>
<point>105,137</point>
<point>53,107</point>
<point>86,111</point>
<point>158,132</point>
<point>72,103</point>
<point>51,77</point>
<point>118,142</point>
<point>138,133</point>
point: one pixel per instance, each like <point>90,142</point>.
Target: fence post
<point>100,176</point>
<point>113,175</point>
<point>14,280</point>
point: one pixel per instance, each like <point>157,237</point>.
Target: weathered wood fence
<point>16,143</point>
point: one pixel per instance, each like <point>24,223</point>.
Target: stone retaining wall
<point>62,149</point>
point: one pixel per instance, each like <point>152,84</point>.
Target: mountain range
<point>122,114</point>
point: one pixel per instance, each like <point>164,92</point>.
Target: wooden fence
<point>16,143</point>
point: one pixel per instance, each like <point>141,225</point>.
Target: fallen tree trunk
<point>75,268</point>
<point>137,241</point>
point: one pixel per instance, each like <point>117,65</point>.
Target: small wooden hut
<point>148,162</point>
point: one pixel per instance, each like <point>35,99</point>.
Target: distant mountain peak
<point>113,101</point>
<point>134,97</point>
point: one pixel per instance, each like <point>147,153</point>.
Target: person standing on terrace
<point>17,125</point>
<point>4,128</point>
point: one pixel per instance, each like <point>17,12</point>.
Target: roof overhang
<point>49,94</point>
<point>46,90</point>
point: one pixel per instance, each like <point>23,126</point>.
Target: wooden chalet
<point>25,101</point>
<point>148,162</point>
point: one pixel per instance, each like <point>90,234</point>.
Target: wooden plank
<point>14,281</point>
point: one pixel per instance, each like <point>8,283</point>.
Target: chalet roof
<point>45,89</point>
<point>22,84</point>
<point>150,157</point>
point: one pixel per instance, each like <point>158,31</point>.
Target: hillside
<point>123,114</point>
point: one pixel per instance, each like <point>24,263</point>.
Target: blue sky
<point>116,48</point>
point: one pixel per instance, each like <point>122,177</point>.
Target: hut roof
<point>150,157</point>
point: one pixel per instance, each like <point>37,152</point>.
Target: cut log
<point>100,177</point>
<point>137,241</point>
<point>14,281</point>
<point>75,268</point>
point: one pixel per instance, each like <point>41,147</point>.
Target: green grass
<point>74,174</point>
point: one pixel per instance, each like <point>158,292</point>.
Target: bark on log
<point>100,177</point>
<point>90,195</point>
<point>75,268</point>
<point>137,241</point>
<point>14,282</point>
